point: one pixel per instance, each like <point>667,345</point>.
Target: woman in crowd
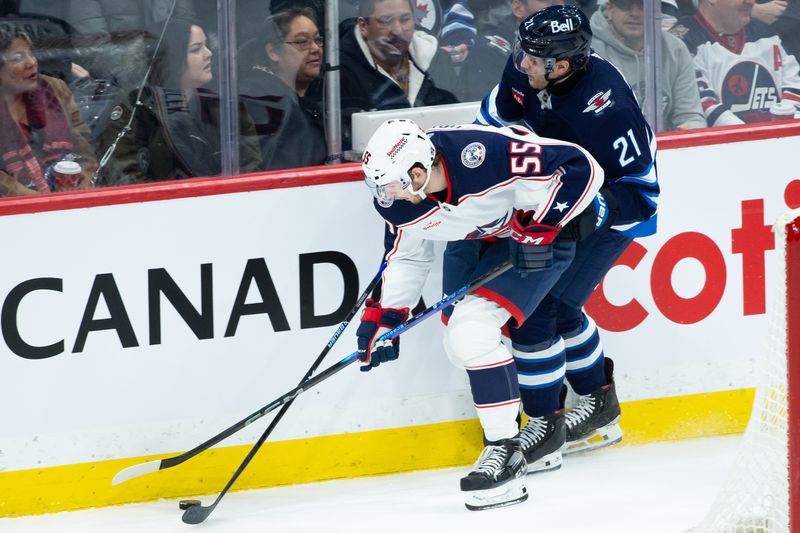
<point>39,125</point>
<point>175,131</point>
<point>282,89</point>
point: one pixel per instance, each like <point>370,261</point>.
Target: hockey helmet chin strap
<point>549,63</point>
<point>421,191</point>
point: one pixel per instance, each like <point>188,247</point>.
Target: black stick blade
<point>196,514</point>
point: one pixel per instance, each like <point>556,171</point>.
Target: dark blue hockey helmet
<point>556,32</point>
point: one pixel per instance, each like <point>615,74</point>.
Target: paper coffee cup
<point>67,175</point>
<point>782,110</point>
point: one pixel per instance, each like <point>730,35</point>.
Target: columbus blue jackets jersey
<point>597,110</point>
<point>490,173</point>
<point>740,75</point>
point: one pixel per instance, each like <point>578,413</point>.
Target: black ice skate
<point>541,440</point>
<point>496,479</point>
<point>594,421</point>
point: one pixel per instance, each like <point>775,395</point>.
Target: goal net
<point>760,494</point>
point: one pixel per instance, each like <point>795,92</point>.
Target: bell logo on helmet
<point>557,27</point>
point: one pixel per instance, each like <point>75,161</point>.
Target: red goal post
<point>761,493</point>
<point>792,247</point>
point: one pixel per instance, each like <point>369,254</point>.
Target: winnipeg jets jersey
<point>490,172</point>
<point>740,75</point>
<point>597,110</point>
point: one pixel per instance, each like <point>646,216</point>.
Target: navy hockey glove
<point>598,217</point>
<point>531,243</point>
<point>375,321</point>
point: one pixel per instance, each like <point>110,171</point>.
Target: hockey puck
<point>185,504</point>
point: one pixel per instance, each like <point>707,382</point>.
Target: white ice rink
<point>658,488</point>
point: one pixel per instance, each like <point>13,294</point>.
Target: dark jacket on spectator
<point>290,129</point>
<point>172,138</point>
<point>96,16</point>
<point>364,87</point>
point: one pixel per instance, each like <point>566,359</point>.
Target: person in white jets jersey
<point>522,196</point>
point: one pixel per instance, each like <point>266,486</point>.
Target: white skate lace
<point>491,460</point>
<point>581,412</point>
<point>533,432</point>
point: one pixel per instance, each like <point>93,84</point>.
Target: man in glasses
<point>388,64</point>
<point>618,29</point>
<point>556,86</point>
<point>509,191</point>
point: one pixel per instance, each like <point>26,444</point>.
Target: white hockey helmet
<point>395,147</point>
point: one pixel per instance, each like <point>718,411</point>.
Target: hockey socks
<point>540,369</point>
<point>495,393</point>
<point>584,354</point>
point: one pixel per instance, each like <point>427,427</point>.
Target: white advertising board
<point>145,328</point>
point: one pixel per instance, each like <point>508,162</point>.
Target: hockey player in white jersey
<point>513,191</point>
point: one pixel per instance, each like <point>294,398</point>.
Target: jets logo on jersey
<point>598,102</point>
<point>496,41</point>
<point>749,90</point>
<point>473,155</point>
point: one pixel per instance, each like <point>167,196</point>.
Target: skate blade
<point>599,438</point>
<point>509,493</point>
<point>548,463</point>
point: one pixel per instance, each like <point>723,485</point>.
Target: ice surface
<point>662,487</point>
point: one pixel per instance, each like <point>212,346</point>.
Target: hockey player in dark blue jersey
<point>510,191</point>
<point>556,86</point>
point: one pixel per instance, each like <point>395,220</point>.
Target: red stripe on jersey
<point>491,365</point>
<point>502,301</point>
<point>501,404</point>
<point>711,102</point>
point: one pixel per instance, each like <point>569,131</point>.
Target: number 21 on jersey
<point>621,144</point>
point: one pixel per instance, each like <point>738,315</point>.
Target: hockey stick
<point>195,513</point>
<point>153,466</point>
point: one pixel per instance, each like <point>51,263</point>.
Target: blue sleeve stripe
<point>645,172</point>
<point>649,179</point>
<point>652,200</point>
<point>639,229</point>
<point>485,118</point>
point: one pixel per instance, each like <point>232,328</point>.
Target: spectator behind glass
<point>483,64</point>
<point>175,132</point>
<point>618,29</point>
<point>39,124</point>
<point>741,67</point>
<point>283,90</point>
<point>106,16</point>
<point>784,17</point>
<point>387,64</point>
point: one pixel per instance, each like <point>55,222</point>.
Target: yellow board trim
<point>80,486</point>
